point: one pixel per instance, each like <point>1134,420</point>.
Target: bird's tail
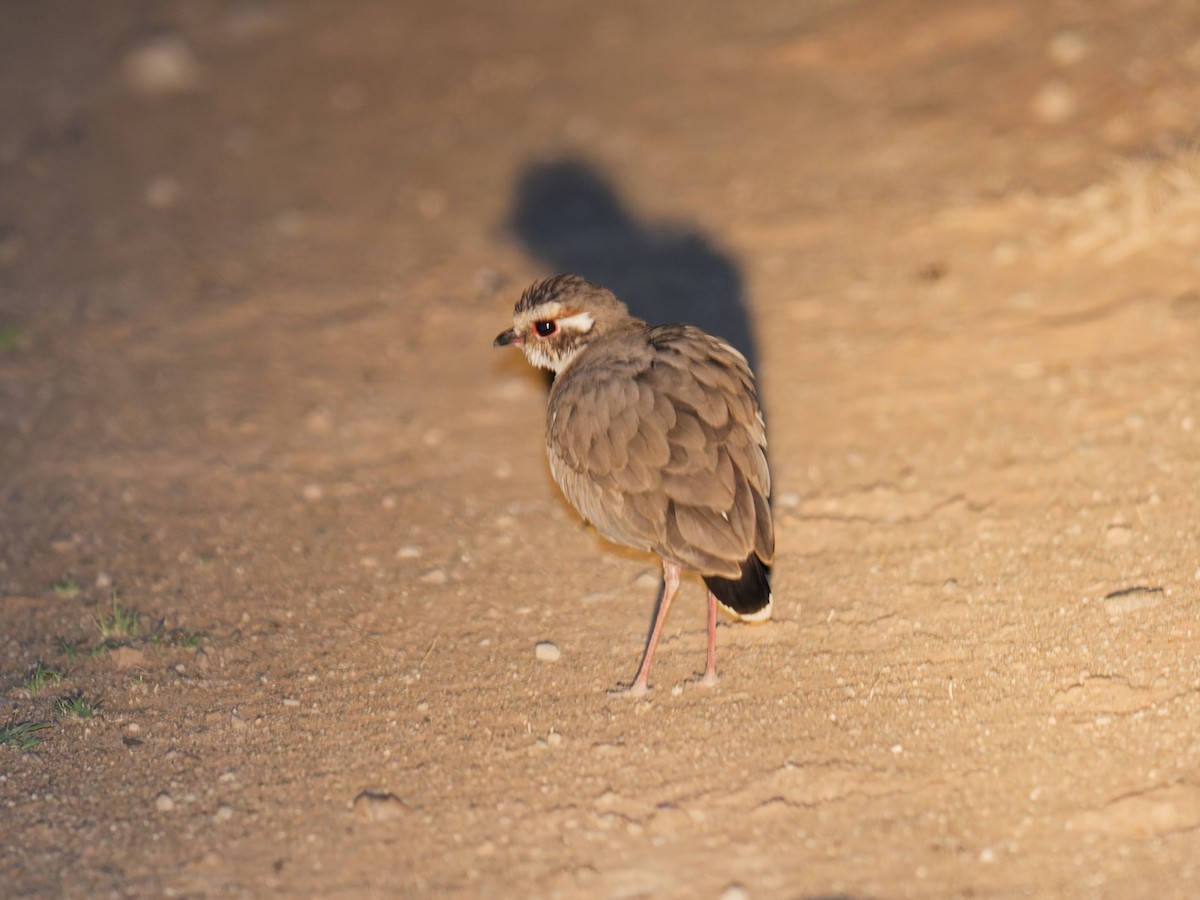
<point>749,596</point>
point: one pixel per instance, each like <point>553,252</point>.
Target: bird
<point>656,437</point>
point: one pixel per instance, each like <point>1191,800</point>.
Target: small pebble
<point>290,701</point>
<point>433,576</point>
<point>202,660</point>
<point>370,806</point>
<point>163,192</point>
<point>238,723</point>
<point>318,421</point>
<point>647,579</point>
<point>313,492</point>
<point>223,814</point>
<point>1132,601</point>
<point>64,545</point>
<point>607,800</point>
<point>1055,103</point>
<point>160,65</point>
<point>511,388</point>
<point>163,802</point>
<point>409,551</point>
<point>554,739</point>
<point>1067,48</point>
<point>546,651</point>
<point>1118,535</point>
<point>103,581</point>
<point>788,499</point>
<point>735,892</point>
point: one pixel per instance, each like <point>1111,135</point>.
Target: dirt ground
<point>278,540</point>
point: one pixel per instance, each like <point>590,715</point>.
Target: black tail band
<point>748,594</point>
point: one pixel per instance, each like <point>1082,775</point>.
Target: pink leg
<point>670,585</point>
<point>710,670</point>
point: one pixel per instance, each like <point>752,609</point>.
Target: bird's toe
<point>634,691</point>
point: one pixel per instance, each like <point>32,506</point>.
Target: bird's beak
<point>504,338</point>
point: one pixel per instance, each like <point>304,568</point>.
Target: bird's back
<point>656,436</point>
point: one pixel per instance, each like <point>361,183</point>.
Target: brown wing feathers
<point>665,451</point>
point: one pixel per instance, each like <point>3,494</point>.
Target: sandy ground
<point>252,257</point>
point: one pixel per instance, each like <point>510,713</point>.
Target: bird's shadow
<point>570,218</point>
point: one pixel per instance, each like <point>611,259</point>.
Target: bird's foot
<point>710,678</point>
<point>634,691</point>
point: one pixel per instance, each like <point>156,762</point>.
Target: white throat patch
<point>540,358</point>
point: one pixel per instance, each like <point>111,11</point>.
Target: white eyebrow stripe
<point>581,322</point>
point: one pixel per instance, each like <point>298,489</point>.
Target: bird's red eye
<point>545,327</point>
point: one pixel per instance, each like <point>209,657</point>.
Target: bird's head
<point>558,317</point>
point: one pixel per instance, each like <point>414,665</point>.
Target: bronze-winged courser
<point>656,437</point>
